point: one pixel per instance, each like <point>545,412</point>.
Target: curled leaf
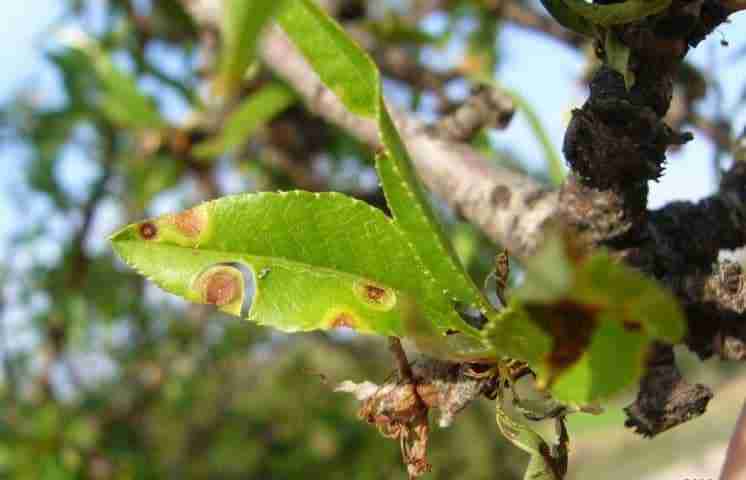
<point>585,324</point>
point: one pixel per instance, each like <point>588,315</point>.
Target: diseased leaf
<point>346,69</point>
<point>617,13</point>
<point>330,299</point>
<point>613,360</point>
<point>243,21</point>
<point>252,113</point>
<point>585,325</point>
<point>343,66</point>
<point>316,259</point>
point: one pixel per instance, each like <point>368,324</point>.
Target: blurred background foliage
<point>104,376</point>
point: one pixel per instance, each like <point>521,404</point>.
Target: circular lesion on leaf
<point>222,286</point>
<point>221,289</point>
<point>147,230</point>
<point>192,222</point>
<point>375,295</point>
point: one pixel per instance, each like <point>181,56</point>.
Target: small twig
<point>400,356</point>
<point>487,107</point>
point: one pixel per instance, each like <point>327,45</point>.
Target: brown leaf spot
<point>632,326</point>
<point>571,326</point>
<point>221,288</point>
<point>374,293</point>
<point>343,320</point>
<point>189,222</point>
<point>148,230</point>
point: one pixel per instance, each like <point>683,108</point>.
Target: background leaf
<point>248,116</point>
<point>243,20</point>
<point>343,66</point>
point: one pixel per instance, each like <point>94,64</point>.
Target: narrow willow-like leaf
<point>343,66</point>
<point>567,17</point>
<point>406,198</point>
<point>553,159</point>
<point>617,13</point>
<point>554,162</point>
<point>243,20</point>
<point>252,113</point>
<point>312,256</point>
<point>121,98</point>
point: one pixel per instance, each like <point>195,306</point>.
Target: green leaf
<point>412,212</point>
<point>568,18</point>
<point>243,21</point>
<point>121,98</point>
<point>252,113</point>
<point>585,325</point>
<point>545,462</point>
<point>554,162</point>
<point>617,57</point>
<point>347,70</point>
<point>342,65</point>
<point>553,159</point>
<point>617,13</point>
<point>318,260</point>
<point>549,275</point>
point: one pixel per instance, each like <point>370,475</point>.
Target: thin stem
<point>400,356</point>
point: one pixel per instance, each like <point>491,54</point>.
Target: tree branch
<point>509,207</point>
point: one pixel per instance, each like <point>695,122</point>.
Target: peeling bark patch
<point>375,295</point>
<point>148,230</point>
<point>190,222</point>
<point>221,288</point>
<point>533,197</point>
<point>501,196</point>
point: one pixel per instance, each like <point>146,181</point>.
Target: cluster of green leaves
<point>321,261</point>
<point>179,399</point>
